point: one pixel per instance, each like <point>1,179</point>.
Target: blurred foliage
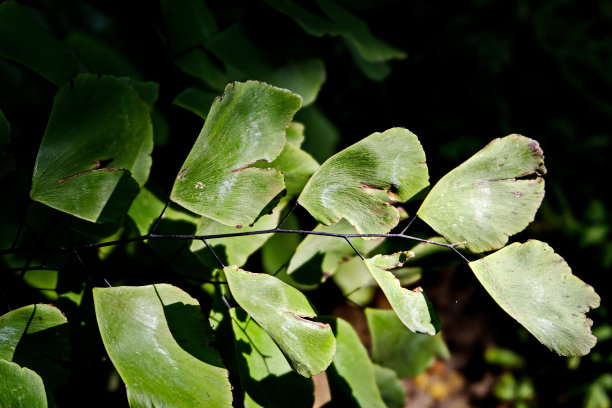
<point>456,75</point>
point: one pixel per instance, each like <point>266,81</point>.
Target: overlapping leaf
<point>391,388</point>
<point>412,307</point>
<point>484,201</point>
<point>351,376</point>
<point>266,377</point>
<point>535,286</point>
<point>36,336</point>
<point>96,149</point>
<point>159,342</point>
<point>284,313</point>
<point>246,124</point>
<point>24,40</point>
<point>348,185</point>
<point>396,347</point>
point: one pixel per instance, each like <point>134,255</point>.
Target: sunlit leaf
<point>284,313</point>
<point>246,124</point>
<point>267,378</point>
<point>24,40</point>
<point>159,342</point>
<point>95,152</point>
<point>395,346</point>
<point>334,250</point>
<point>485,200</point>
<point>345,185</point>
<point>391,388</point>
<point>20,387</point>
<point>535,286</point>
<point>236,48</point>
<point>36,336</point>
<point>351,376</point>
<point>412,306</point>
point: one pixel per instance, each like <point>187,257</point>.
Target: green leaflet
<point>266,377</point>
<point>482,202</point>
<point>323,136</point>
<point>246,124</point>
<point>350,183</point>
<point>351,376</point>
<point>100,57</point>
<point>20,387</point>
<point>412,307</point>
<point>95,152</point>
<point>335,250</point>
<point>159,342</point>
<point>282,311</point>
<point>395,346</point>
<point>36,336</point>
<point>535,286</point>
<point>24,40</point>
<point>391,388</point>
<point>195,100</point>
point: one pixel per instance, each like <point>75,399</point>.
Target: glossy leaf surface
<point>246,124</point>
<point>284,313</point>
<point>483,201</point>
<point>159,342</point>
<point>95,152</point>
<point>396,347</point>
<point>535,286</point>
<point>412,307</point>
<point>351,183</point>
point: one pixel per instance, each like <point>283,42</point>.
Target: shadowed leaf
<point>284,313</point>
<point>535,286</point>
<point>346,185</point>
<point>95,152</point>
<point>482,202</point>
<point>395,346</point>
<point>246,124</point>
<point>159,342</point>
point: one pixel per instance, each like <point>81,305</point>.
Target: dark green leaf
<point>159,342</point>
<point>397,347</point>
<point>96,149</point>
<point>195,100</point>
<point>100,57</point>
<point>390,387</point>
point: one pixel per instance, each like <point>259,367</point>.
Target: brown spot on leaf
<point>518,194</point>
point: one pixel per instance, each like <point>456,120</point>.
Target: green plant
<point>238,186</point>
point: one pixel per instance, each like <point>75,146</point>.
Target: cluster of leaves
<point>245,168</point>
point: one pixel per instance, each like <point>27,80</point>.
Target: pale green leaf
<point>535,286</point>
<point>95,152</point>
<point>36,336</point>
<point>24,40</point>
<point>146,208</point>
<point>284,313</point>
<point>412,306</point>
<point>345,185</point>
<point>195,100</point>
<point>236,48</point>
<point>391,388</point>
<point>266,377</point>
<point>334,250</point>
<point>233,250</point>
<point>355,281</point>
<point>351,376</point>
<point>159,342</point>
<point>20,387</point>
<point>395,346</point>
<point>484,200</point>
<point>295,134</point>
<point>246,124</point>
